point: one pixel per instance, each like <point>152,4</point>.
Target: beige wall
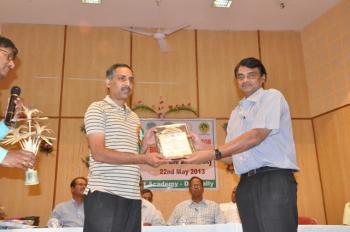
<point>326,47</point>
<point>332,135</point>
<point>326,50</point>
<point>61,71</point>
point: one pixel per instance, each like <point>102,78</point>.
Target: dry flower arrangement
<point>30,135</point>
<point>161,110</point>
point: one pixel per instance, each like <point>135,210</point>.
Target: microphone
<point>11,108</point>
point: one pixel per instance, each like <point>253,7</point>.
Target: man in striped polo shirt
<point>113,201</point>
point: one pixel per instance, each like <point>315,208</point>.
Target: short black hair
<point>73,184</point>
<point>251,62</point>
<point>147,191</point>
<point>111,70</point>
<point>195,177</point>
<point>7,43</point>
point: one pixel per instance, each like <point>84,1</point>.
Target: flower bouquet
<point>29,134</point>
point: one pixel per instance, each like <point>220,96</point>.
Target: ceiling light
<point>222,3</point>
<point>91,1</point>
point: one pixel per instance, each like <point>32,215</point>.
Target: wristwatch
<point>218,154</point>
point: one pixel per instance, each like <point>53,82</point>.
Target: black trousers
<point>267,202</point>
<point>106,212</point>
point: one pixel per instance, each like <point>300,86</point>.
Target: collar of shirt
<point>195,204</point>
<point>255,97</point>
<point>118,107</point>
<point>75,203</point>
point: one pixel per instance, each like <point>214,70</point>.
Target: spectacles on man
<point>249,76</point>
<point>10,55</point>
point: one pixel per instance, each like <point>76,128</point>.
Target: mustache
<point>125,88</point>
<point>245,84</point>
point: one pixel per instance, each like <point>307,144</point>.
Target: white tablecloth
<point>197,228</point>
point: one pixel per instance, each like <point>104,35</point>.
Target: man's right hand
<point>155,159</point>
<point>19,159</point>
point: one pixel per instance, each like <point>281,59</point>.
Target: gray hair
<point>111,70</point>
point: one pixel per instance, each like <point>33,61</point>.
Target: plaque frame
<point>168,138</point>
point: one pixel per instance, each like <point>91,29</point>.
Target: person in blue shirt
<point>12,159</point>
<point>260,142</point>
<point>71,213</point>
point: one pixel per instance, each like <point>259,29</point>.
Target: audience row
<point>196,210</point>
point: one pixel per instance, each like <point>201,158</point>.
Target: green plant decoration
<point>160,110</point>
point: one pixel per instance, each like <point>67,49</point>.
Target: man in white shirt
<point>230,210</point>
<point>71,213</point>
<point>197,210</point>
<point>149,214</point>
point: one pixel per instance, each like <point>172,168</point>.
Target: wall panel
<point>310,197</point>
<point>89,52</point>
<point>281,53</point>
<point>326,47</point>
<point>171,76</point>
<point>38,66</point>
<point>218,53</point>
<point>332,135</point>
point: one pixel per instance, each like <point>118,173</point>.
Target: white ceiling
<point>243,14</point>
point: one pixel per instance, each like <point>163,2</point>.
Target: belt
<point>265,169</point>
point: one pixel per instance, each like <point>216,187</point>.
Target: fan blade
<point>137,31</point>
<point>171,31</point>
<point>163,45</point>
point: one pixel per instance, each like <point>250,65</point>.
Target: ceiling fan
<point>160,35</point>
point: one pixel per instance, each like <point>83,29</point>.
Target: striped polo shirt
<point>121,128</point>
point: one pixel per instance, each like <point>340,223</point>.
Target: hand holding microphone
<point>11,108</point>
<point>16,159</point>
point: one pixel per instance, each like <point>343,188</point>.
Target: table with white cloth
<point>196,228</point>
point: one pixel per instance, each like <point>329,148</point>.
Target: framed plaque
<point>172,141</point>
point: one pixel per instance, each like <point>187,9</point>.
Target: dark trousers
<point>267,202</point>
<point>106,212</point>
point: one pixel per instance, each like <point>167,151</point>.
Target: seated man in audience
<point>71,213</point>
<point>197,210</point>
<point>147,194</point>
<point>230,210</point>
<point>149,214</point>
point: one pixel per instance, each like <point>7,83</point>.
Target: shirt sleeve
<point>156,219</point>
<point>3,132</point>
<point>95,119</point>
<point>269,112</point>
<point>3,129</point>
<point>219,216</point>
<point>3,153</point>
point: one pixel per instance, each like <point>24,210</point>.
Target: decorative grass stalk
<point>29,134</point>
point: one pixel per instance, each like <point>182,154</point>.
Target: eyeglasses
<point>10,55</point>
<point>249,76</point>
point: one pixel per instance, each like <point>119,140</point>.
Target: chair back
<point>307,221</point>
